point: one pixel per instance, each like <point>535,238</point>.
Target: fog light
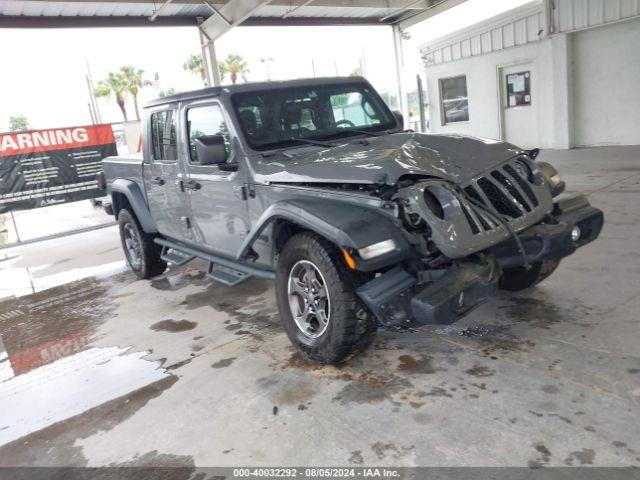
<point>575,233</point>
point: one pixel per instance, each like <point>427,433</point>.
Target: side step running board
<point>232,265</point>
<point>175,257</point>
<point>226,275</point>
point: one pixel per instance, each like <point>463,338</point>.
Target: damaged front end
<point>463,235</point>
<point>400,299</point>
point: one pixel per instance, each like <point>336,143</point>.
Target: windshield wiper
<point>312,142</point>
<point>366,132</point>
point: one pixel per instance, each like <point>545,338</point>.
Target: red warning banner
<point>44,167</point>
<point>20,143</point>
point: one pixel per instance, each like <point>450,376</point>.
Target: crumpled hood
<point>385,159</point>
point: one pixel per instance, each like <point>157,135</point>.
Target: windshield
<point>278,118</point>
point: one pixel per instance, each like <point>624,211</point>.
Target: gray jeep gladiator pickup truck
<point>315,184</point>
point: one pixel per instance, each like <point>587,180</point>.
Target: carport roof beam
<point>113,13</point>
<point>433,10</point>
<point>229,15</point>
<point>217,12</point>
<point>153,17</point>
<point>297,7</point>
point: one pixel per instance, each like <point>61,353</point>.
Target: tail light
<point>101,180</point>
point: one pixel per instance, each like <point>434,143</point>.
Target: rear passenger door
<point>163,174</point>
<point>219,212</point>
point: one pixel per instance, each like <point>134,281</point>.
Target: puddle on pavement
<point>173,326</point>
<point>48,370</point>
<point>19,277</point>
<point>411,364</point>
<point>70,386</point>
<point>541,313</point>
<point>57,443</point>
<point>41,328</point>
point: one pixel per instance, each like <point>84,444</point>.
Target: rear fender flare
<point>138,203</point>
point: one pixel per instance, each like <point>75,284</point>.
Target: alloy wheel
<point>309,299</point>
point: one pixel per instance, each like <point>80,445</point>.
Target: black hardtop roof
<point>252,86</point>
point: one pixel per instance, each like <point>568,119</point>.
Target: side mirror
<point>210,150</point>
<point>399,118</point>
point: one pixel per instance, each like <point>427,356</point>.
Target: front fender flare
<point>131,190</point>
<point>346,225</point>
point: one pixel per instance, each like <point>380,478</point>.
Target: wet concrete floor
<point>181,371</point>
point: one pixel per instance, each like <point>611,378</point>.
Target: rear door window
<point>163,135</point>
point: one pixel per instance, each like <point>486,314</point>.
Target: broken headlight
<point>413,221</point>
<point>433,202</point>
<point>523,169</point>
<point>552,177</point>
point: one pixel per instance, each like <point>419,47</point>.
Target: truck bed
<point>123,166</point>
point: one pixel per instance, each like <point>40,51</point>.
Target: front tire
<point>322,315</point>
<point>518,278</point>
<point>142,254</point>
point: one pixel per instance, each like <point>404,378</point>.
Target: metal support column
<point>421,102</point>
<point>211,69</point>
<point>402,97</point>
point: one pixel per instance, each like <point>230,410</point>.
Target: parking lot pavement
<point>38,266</point>
<point>52,219</point>
<point>182,371</point>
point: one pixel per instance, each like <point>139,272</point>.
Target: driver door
<point>219,212</point>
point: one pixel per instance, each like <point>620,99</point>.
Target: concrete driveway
<point>182,371</point>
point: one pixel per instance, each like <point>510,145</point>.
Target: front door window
<point>204,121</point>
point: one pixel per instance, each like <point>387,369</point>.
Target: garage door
<point>606,80</point>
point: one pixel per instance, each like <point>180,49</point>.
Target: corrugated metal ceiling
<point>286,11</point>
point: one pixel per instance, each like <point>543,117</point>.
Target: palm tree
<point>18,123</point>
<point>134,82</point>
<point>234,65</point>
<point>116,84</point>
<point>167,92</point>
<point>195,65</point>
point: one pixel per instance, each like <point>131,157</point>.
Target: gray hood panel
<point>385,159</point>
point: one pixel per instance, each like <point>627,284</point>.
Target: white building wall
<point>586,78</point>
<point>571,15</point>
<point>484,93</point>
<point>520,26</point>
<point>606,85</point>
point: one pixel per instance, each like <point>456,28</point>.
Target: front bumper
<point>551,239</point>
<point>399,299</point>
<point>396,299</point>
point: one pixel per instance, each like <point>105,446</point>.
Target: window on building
<point>204,121</point>
<point>163,135</point>
<point>455,103</point>
<point>518,89</point>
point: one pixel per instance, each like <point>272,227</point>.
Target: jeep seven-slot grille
<point>523,184</point>
<point>511,189</point>
<point>503,189</point>
<point>499,199</point>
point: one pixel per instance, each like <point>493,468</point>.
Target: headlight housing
<point>433,202</point>
<point>523,169</point>
<point>377,249</point>
<point>552,177</point>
